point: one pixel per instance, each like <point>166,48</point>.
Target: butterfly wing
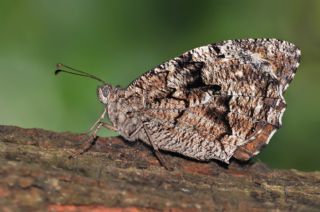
<point>220,100</point>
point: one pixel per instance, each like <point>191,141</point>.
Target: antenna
<point>75,72</point>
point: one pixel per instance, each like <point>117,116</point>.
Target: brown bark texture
<point>115,175</point>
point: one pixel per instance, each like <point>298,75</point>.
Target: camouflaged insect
<point>217,101</point>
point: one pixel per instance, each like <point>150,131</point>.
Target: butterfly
<point>217,101</point>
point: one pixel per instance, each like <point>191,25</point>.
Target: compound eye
<point>105,91</point>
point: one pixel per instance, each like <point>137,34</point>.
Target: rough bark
<point>36,174</point>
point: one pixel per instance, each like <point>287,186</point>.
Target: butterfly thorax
<point>123,114</point>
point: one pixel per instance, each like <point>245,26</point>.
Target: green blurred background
<point>119,40</point>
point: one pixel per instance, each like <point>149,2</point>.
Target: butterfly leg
<point>98,121</point>
<point>93,137</point>
<point>88,143</point>
<point>136,131</point>
<point>108,126</point>
<point>156,149</point>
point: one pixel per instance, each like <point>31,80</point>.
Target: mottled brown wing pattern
<point>218,101</point>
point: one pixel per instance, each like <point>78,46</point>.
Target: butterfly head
<point>104,92</point>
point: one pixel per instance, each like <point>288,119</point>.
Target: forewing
<point>218,101</point>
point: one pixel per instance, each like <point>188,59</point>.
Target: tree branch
<point>36,174</point>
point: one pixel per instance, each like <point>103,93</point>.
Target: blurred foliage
<point>119,40</point>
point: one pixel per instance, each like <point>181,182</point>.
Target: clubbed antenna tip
<point>60,68</point>
<point>57,71</point>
